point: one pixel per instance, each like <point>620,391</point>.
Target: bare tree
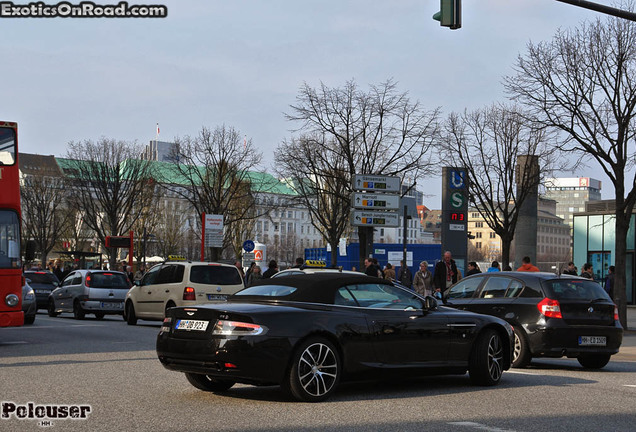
<point>380,131</point>
<point>213,175</point>
<point>489,143</point>
<point>44,214</point>
<point>108,185</point>
<point>170,232</point>
<point>152,213</point>
<point>323,184</point>
<point>583,84</point>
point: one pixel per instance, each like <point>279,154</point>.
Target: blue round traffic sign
<point>248,245</point>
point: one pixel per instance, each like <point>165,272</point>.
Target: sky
<point>240,63</point>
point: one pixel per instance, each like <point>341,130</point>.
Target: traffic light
<point>450,14</point>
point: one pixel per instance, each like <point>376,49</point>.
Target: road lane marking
<point>522,373</point>
<point>480,426</point>
<point>629,385</point>
<point>13,343</point>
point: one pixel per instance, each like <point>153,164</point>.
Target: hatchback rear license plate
<point>112,305</point>
<point>592,341</point>
<point>191,325</point>
<point>217,297</point>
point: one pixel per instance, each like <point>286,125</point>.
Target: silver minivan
<point>82,292</point>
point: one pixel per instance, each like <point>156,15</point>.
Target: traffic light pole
<point>602,8</point>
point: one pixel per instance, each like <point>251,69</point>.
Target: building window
<point>492,235</point>
<point>478,245</point>
<point>479,224</point>
<point>478,234</point>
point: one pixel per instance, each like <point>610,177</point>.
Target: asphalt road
<point>112,367</point>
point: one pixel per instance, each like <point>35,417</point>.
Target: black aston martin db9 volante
<point>309,332</point>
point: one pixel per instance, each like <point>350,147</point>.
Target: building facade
<point>571,194</point>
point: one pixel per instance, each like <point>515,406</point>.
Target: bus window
<point>7,146</point>
<point>9,235</point>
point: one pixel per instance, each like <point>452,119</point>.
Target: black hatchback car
<point>552,316</point>
<point>43,283</point>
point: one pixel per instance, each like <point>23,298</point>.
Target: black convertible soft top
<point>310,288</point>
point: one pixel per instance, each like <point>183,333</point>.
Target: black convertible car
<point>308,332</point>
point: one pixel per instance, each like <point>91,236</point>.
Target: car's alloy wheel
<point>131,318</point>
<point>78,312</point>
<point>207,383</point>
<point>315,371</point>
<point>486,362</point>
<point>51,309</point>
<point>521,354</point>
<point>594,361</point>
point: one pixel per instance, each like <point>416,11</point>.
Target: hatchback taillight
<point>550,308</point>
<point>616,318</point>
<point>188,293</point>
<point>87,282</point>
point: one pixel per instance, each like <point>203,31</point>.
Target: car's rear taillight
<point>87,282</point>
<point>188,293</point>
<point>550,308</point>
<point>616,318</point>
<point>236,328</point>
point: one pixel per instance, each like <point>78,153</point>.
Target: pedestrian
<point>526,265</point>
<point>404,275</point>
<point>494,267</point>
<point>299,263</point>
<point>369,268</point>
<point>130,274</point>
<point>141,272</point>
<point>239,265</point>
<point>272,269</point>
<point>609,281</point>
<point>423,280</point>
<point>571,270</point>
<point>254,275</point>
<point>473,268</point>
<point>389,272</point>
<point>378,268</point>
<point>587,271</point>
<point>446,273</point>
<point>248,272</point>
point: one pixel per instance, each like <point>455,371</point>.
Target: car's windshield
<point>215,275</point>
<point>576,289</point>
<point>41,277</point>
<point>108,280</point>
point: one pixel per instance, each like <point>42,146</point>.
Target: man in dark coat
<point>272,269</point>
<point>404,276</point>
<point>446,273</point>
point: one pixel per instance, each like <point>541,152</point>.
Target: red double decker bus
<point>10,262</point>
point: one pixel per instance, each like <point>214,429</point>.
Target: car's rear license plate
<point>191,325</point>
<point>111,305</point>
<point>42,292</point>
<point>217,297</point>
<point>592,340</point>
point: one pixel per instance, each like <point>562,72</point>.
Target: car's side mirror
<point>430,303</point>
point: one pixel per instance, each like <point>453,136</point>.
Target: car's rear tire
<point>50,309</point>
<point>594,361</point>
<point>521,356</point>
<point>314,372</point>
<point>99,315</point>
<point>78,312</point>
<point>131,317</point>
<point>207,383</point>
<point>486,360</point>
<point>29,319</point>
